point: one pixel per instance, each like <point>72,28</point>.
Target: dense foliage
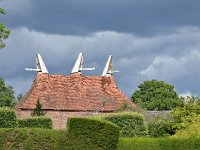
<point>191,130</point>
<point>131,124</point>
<point>38,109</point>
<point>156,95</point>
<point>4,32</point>
<point>7,118</point>
<point>81,133</point>
<point>183,116</point>
<point>161,127</point>
<point>34,139</point>
<point>178,143</point>
<point>30,139</point>
<point>85,133</point>
<point>126,107</point>
<point>35,122</point>
<point>6,94</point>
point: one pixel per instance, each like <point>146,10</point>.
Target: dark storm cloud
<point>141,17</point>
<point>172,58</point>
<point>149,39</point>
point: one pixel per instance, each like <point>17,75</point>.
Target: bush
<point>160,127</point>
<point>7,118</point>
<point>184,116</point>
<point>29,139</point>
<point>35,122</point>
<point>86,133</point>
<point>193,129</point>
<point>131,124</point>
<point>81,133</point>
<point>179,143</point>
<point>126,107</point>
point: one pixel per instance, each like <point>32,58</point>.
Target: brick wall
<point>59,118</point>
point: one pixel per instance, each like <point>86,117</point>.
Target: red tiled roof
<point>74,93</point>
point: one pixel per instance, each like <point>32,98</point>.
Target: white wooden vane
<point>108,70</point>
<point>78,66</point>
<point>40,66</point>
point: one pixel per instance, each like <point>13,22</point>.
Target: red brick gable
<point>74,93</point>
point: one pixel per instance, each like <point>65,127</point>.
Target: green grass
<point>171,143</point>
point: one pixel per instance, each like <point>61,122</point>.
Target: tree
<point>156,95</point>
<point>6,95</point>
<point>19,97</point>
<point>38,109</point>
<point>4,32</point>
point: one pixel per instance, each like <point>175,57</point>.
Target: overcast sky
<point>149,39</point>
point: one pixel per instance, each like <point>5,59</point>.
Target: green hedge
<point>179,143</point>
<point>35,122</point>
<point>131,123</point>
<point>86,133</point>
<point>30,139</point>
<point>7,118</point>
<point>81,134</point>
<point>46,139</point>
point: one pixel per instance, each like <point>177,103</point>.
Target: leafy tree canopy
<point>156,95</point>
<point>4,32</point>
<point>6,94</point>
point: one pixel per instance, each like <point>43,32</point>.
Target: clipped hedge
<point>30,139</point>
<point>179,143</point>
<point>81,134</point>
<point>7,118</point>
<point>86,133</point>
<point>35,122</point>
<point>131,123</point>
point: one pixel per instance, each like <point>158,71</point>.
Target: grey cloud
<point>181,71</point>
<point>173,58</point>
<point>141,17</point>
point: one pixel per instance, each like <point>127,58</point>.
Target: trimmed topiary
<point>86,133</point>
<point>7,118</point>
<point>131,123</point>
<point>35,122</point>
<point>30,139</point>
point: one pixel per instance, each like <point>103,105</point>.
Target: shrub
<point>191,130</point>
<point>131,124</point>
<point>126,107</point>
<point>29,139</point>
<point>82,133</point>
<point>86,133</point>
<point>179,143</point>
<point>7,118</point>
<point>183,116</point>
<point>35,122</point>
<point>161,127</point>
